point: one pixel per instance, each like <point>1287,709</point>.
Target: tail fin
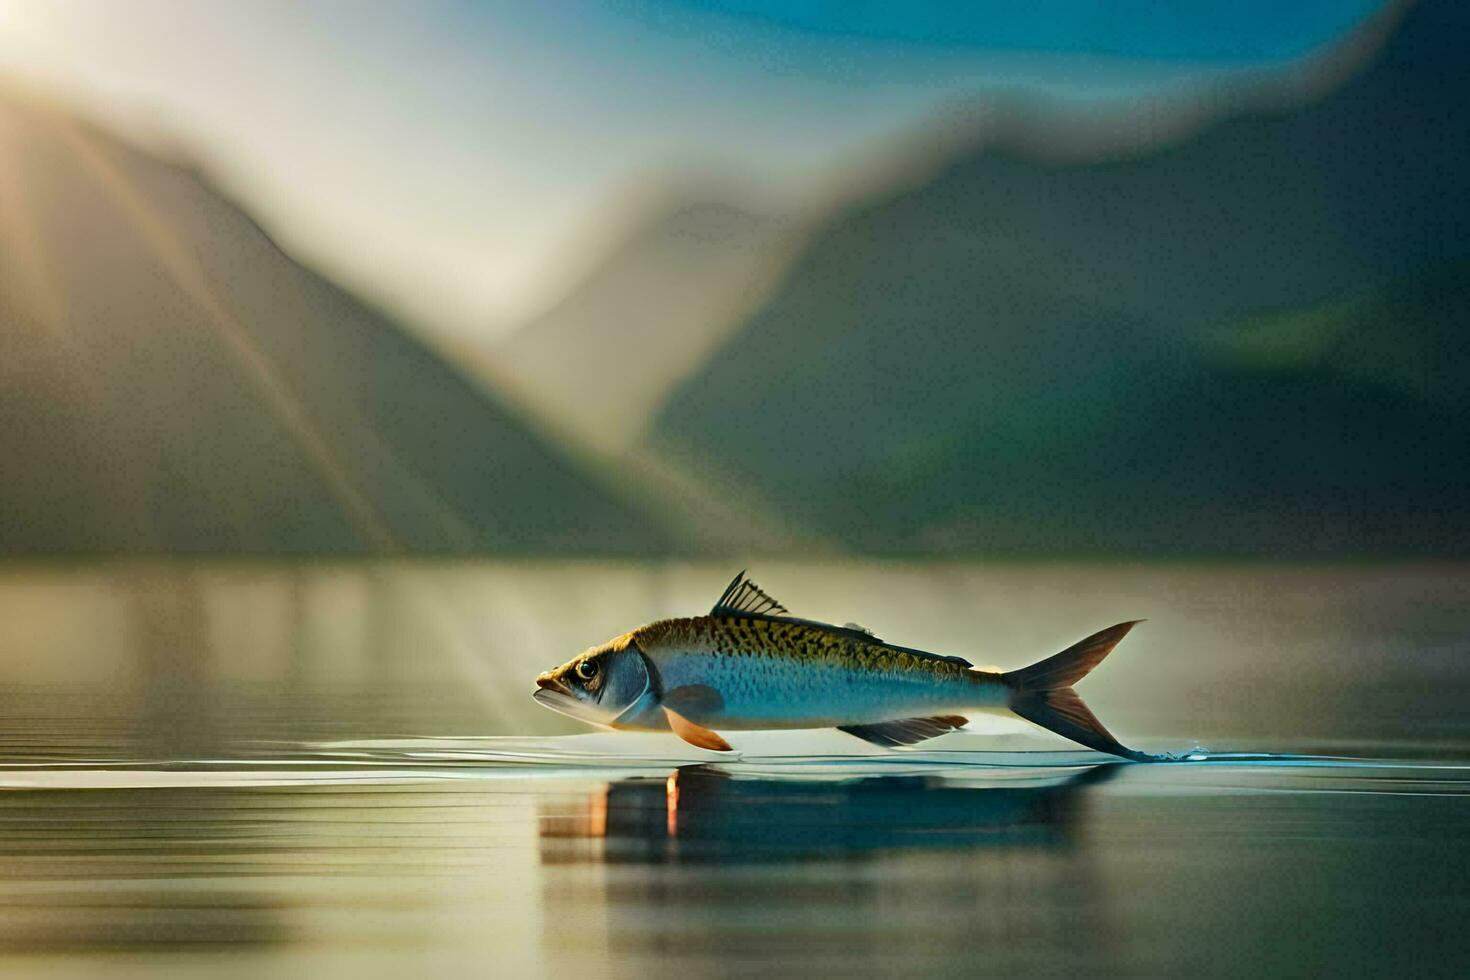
<point>1043,695</point>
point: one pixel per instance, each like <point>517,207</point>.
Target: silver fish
<point>749,664</point>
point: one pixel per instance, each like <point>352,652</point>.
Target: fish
<point>751,665</point>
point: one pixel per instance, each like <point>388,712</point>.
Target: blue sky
<point>460,161</point>
<point>1248,30</point>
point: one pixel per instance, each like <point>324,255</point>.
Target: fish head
<point>600,685</point>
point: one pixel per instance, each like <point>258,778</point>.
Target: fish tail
<point>1042,693</point>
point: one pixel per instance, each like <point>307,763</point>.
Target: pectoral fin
<point>694,734</point>
<point>905,731</point>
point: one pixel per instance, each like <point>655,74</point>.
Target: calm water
<point>318,770</point>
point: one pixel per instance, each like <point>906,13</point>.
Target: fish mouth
<point>554,693</point>
<point>567,704</point>
<point>555,699</point>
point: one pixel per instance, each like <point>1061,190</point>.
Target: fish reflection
<point>704,814</point>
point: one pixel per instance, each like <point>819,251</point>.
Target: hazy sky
<point>458,161</point>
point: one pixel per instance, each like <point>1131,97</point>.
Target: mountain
<point>171,381</point>
<point>1021,352</point>
<point>1406,339</point>
<point>601,360</point>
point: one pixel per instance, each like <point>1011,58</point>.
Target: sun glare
<point>27,34</point>
<point>11,19</point>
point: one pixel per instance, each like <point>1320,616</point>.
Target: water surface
<point>322,770</point>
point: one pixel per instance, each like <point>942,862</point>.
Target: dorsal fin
<point>744,596</point>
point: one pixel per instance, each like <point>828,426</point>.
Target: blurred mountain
<point>1407,339</point>
<point>170,381</point>
<point>602,360</point>
<point>1021,352</point>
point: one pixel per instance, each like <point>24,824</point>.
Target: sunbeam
<point>273,391</point>
<point>38,291</point>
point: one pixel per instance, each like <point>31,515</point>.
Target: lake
<point>324,769</point>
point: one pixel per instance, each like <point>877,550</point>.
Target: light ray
<point>38,290</point>
<point>254,364</point>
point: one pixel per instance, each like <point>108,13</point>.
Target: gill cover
<point>628,690</point>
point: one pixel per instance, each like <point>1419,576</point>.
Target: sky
<point>460,162</point>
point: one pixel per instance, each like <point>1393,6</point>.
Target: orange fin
<point>694,734</point>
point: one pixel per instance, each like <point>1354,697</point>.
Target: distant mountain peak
<point>1017,353</point>
<point>601,359</point>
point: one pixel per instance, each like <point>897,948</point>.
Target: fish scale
<point>773,674</point>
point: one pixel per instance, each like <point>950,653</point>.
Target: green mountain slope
<point>1330,431</point>
<point>1022,356</point>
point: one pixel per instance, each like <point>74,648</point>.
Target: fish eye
<point>586,670</point>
